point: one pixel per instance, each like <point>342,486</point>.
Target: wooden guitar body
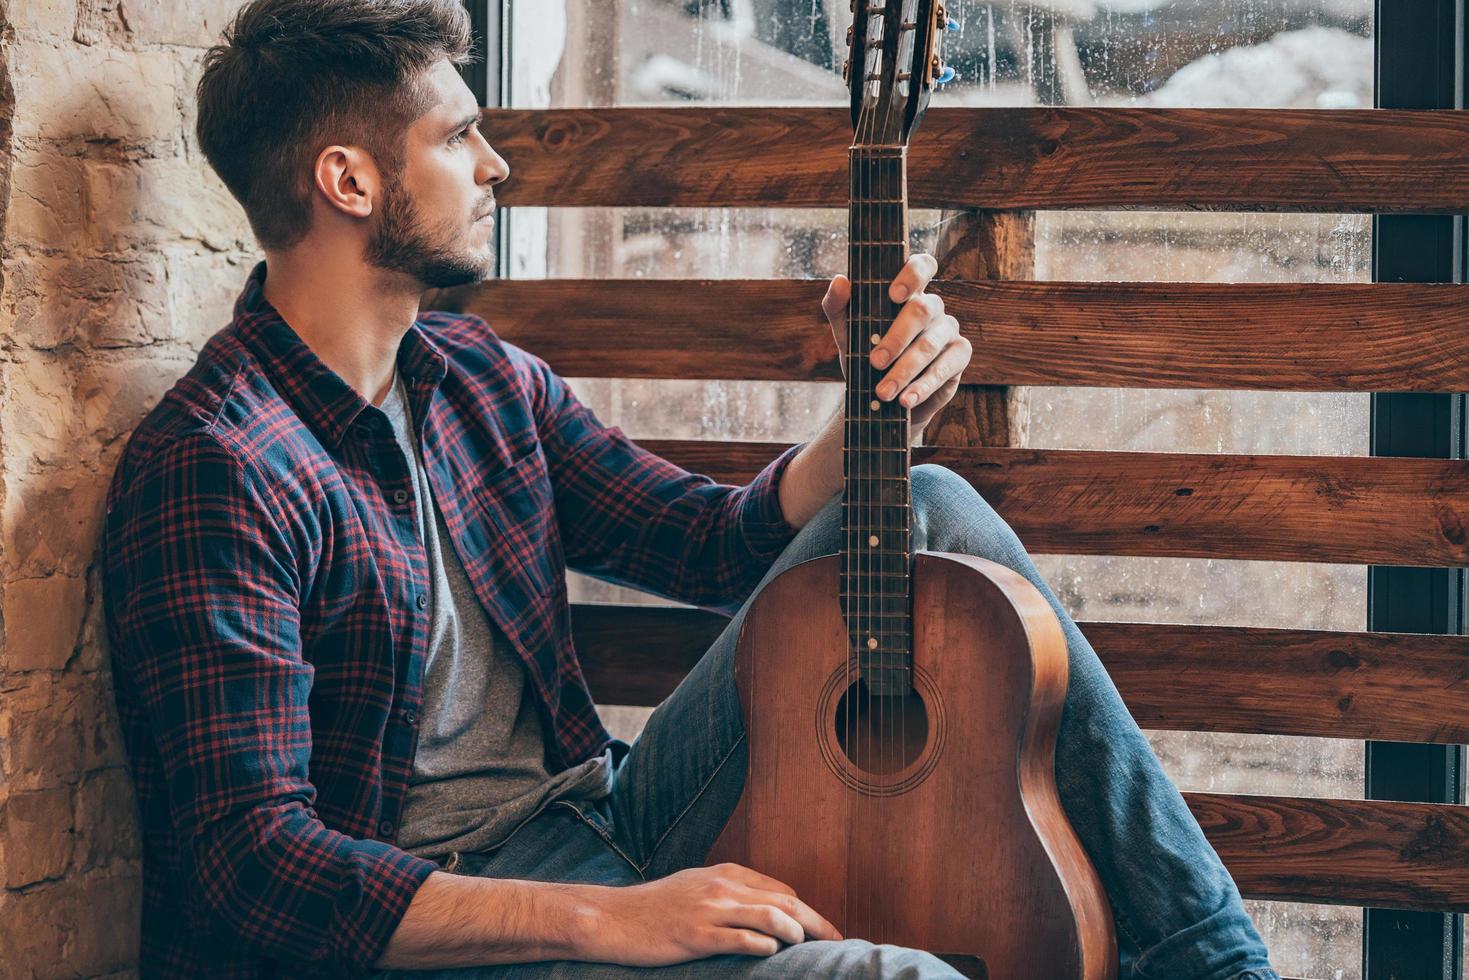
<point>938,828</point>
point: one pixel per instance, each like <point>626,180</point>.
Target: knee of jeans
<point>860,958</point>
<point>953,516</point>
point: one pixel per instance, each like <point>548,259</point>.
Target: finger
<point>935,403</point>
<point>813,922</point>
<point>782,896</point>
<point>916,316</point>
<point>758,879</point>
<point>916,358</point>
<point>766,918</point>
<point>748,942</point>
<point>838,294</point>
<point>948,365</point>
<point>916,273</point>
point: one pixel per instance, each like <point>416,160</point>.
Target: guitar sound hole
<point>880,734</point>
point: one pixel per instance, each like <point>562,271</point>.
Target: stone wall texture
<point>120,253</point>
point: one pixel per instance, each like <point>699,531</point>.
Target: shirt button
<point>385,828</point>
<point>422,601</point>
<point>409,715</point>
<point>400,496</point>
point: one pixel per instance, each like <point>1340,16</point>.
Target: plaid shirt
<point>266,597</point>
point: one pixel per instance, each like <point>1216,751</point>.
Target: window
<point>1202,53</point>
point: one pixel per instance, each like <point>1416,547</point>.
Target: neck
<point>351,316</point>
<point>877,536</point>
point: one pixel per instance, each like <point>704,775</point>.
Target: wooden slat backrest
<point>1359,337</point>
<point>1270,336</point>
<point>1042,158</point>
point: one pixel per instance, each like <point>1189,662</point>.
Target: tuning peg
<point>944,75</point>
<point>849,37</point>
<point>951,25</point>
<point>847,70</point>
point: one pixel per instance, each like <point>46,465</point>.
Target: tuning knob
<point>847,70</point>
<point>849,37</point>
<point>942,74</point>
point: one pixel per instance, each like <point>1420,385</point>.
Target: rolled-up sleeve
<point>634,518</point>
<point>204,598</point>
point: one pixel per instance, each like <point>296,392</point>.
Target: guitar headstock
<point>892,65</point>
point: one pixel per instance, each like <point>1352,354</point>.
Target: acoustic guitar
<point>902,708</point>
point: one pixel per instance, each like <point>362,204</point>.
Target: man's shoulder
<point>223,407</point>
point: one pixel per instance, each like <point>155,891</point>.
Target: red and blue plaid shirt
<point>266,596</point>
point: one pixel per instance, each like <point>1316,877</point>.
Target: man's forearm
<point>457,920</point>
<point>814,475</point>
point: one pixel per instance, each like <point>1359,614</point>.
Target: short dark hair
<point>293,76</point>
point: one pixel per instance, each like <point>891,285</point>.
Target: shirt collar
<point>320,396</point>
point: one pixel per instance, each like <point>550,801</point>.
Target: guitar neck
<point>877,501</point>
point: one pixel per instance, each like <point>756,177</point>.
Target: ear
<point>348,180</point>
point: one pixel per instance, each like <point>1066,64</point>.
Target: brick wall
<point>120,253</point>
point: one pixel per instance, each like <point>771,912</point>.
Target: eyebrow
<point>465,121</point>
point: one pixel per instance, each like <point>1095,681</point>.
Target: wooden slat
<point>1002,158</point>
<point>1341,852</point>
<point>1355,510</point>
<point>1387,686</point>
<point>1302,337</point>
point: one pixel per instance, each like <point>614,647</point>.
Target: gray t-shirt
<point>480,767</point>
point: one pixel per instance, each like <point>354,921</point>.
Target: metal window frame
<point>1420,64</point>
<point>488,77</point>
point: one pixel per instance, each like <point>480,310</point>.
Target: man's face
<point>435,221</point>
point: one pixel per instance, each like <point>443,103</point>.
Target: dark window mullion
<point>1420,56</point>
<point>489,79</point>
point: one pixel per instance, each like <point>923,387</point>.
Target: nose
<point>492,167</point>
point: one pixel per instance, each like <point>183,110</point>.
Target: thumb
<point>834,305</point>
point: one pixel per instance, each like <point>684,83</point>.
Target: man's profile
<point>335,564</point>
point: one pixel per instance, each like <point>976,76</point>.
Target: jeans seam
<point>1121,924</point>
<point>703,788</point>
<point>606,837</point>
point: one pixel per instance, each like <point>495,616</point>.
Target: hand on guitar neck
<point>924,347</point>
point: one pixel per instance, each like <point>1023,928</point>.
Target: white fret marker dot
<point>875,405</point>
<point>872,540</point>
<point>876,339</point>
<point>872,643</point>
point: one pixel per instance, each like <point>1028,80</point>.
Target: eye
<point>459,136</point>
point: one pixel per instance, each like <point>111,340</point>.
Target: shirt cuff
<point>764,525</point>
<point>388,889</point>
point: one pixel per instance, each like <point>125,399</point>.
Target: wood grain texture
<point>1263,336</point>
<point>1341,852</point>
<point>1386,686</point>
<point>1012,884</point>
<point>984,246</point>
<point>1355,510</point>
<point>1001,158</point>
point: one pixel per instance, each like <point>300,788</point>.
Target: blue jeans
<point>1177,910</point>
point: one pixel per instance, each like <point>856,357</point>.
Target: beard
<point>436,256</point>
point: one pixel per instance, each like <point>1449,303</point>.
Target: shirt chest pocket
<point>515,517</point>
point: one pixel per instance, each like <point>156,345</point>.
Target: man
<point>334,574</point>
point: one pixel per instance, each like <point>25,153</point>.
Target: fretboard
<point>876,503</point>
